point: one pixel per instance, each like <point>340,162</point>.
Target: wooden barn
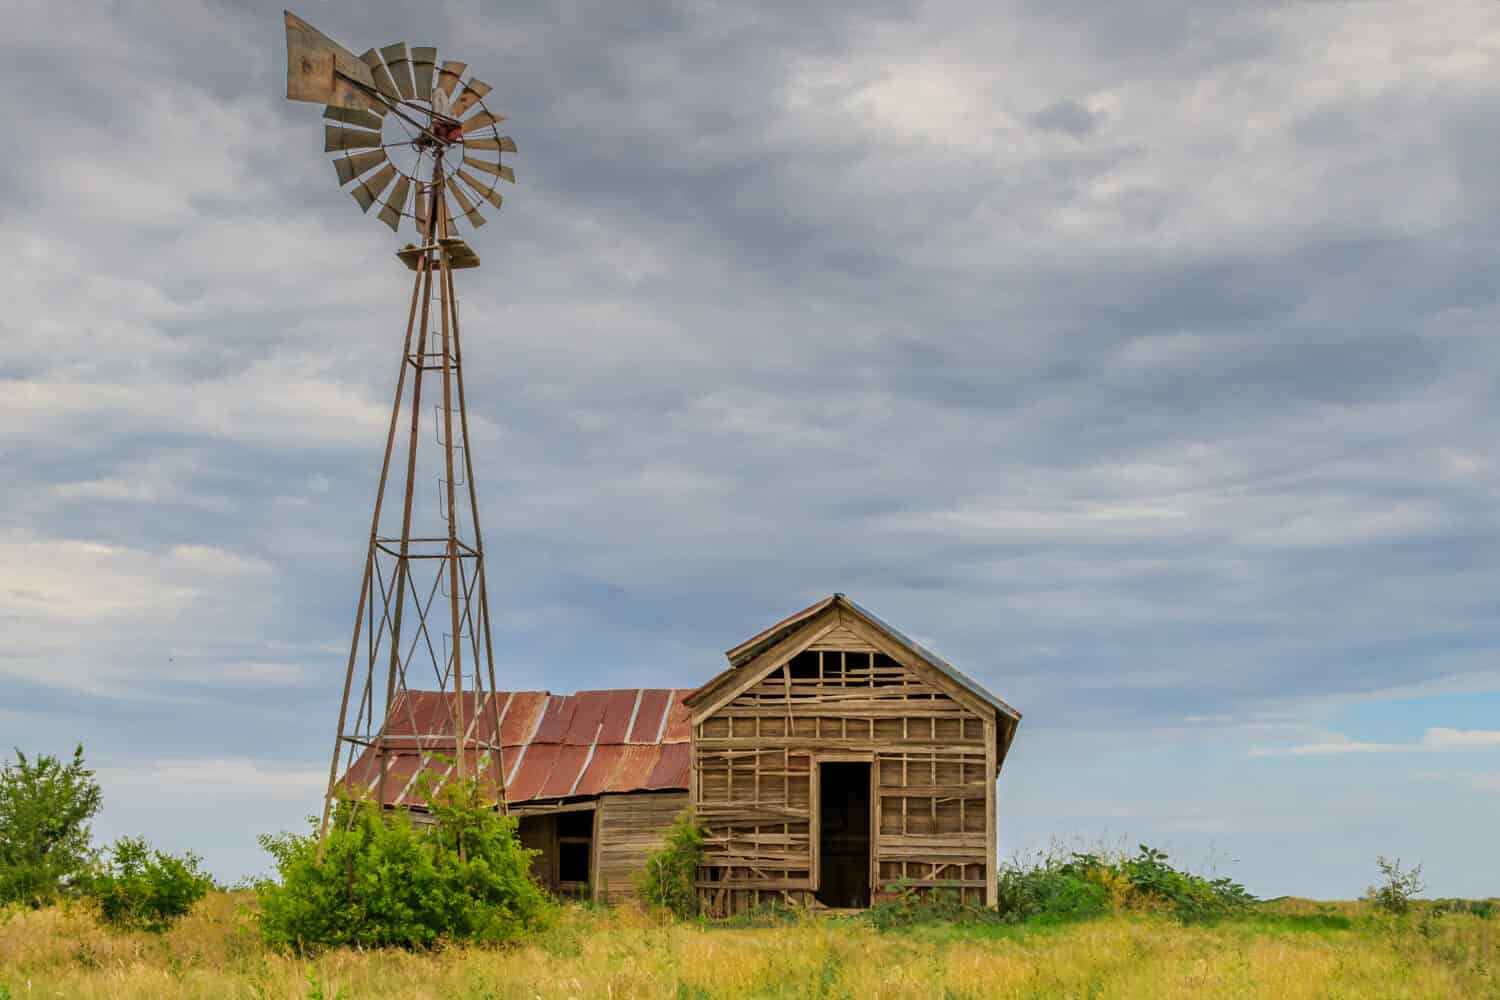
<point>832,759</point>
<point>835,757</point>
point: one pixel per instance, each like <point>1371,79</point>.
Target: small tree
<point>1394,895</point>
<point>670,877</point>
<point>383,881</point>
<point>142,888</point>
<point>45,809</point>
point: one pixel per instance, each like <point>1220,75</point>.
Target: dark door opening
<point>575,847</point>
<point>844,834</point>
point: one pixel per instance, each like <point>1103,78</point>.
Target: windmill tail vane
<point>420,706</point>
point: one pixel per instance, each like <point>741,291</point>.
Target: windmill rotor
<point>402,126</point>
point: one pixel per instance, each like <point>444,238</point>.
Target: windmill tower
<point>413,136</point>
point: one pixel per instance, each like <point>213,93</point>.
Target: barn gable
<point>837,624</point>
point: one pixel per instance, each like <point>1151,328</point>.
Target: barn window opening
<point>575,841</point>
<point>844,834</point>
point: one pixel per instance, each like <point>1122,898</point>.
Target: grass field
<point>1286,950</point>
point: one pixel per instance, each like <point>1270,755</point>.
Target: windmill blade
<point>489,194</point>
<point>381,75</point>
<point>399,62</point>
<point>322,71</point>
<point>350,167</point>
<point>470,211</point>
<point>500,170</point>
<point>353,116</point>
<point>449,74</point>
<point>473,91</point>
<point>501,144</point>
<point>423,63</point>
<point>395,205</point>
<point>481,120</point>
<point>336,138</point>
<point>369,189</point>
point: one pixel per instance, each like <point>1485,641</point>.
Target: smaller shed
<point>595,777</point>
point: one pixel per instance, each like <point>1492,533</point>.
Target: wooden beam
<point>991,846</point>
<point>594,856</point>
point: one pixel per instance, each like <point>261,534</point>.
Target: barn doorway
<point>575,852</point>
<point>844,834</point>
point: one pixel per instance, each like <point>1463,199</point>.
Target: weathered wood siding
<point>630,827</point>
<point>755,773</point>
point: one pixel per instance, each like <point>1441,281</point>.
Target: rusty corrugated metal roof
<point>552,746</point>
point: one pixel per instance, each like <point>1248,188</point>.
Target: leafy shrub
<point>45,808</point>
<point>1400,886</point>
<point>1080,885</point>
<point>1061,891</point>
<point>670,876</point>
<point>142,888</point>
<point>384,880</point>
<point>1485,909</point>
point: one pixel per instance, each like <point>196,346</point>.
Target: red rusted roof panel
<point>671,770</point>
<point>618,706</point>
<point>647,726</point>
<point>600,770</point>
<point>532,772</point>
<point>679,720</point>
<point>521,717</point>
<point>555,718</point>
<point>588,713</point>
<point>565,772</point>
<point>636,764</point>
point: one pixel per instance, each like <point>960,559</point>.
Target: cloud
<point>1434,740</point>
<point>210,779</point>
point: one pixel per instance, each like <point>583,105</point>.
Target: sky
<point>1138,359</point>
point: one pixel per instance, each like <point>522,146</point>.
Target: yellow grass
<point>624,953</point>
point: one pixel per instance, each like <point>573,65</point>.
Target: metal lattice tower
<point>406,133</point>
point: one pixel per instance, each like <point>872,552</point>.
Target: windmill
<point>413,136</point>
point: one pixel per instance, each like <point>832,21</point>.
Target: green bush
<point>138,887</point>
<point>1485,909</point>
<point>670,875</point>
<point>1399,886</point>
<point>385,881</point>
<point>45,808</point>
<point>1079,885</point>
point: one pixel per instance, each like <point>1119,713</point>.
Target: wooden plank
<point>991,886</point>
<point>594,871</point>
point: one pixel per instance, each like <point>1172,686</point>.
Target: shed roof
<point>552,746</point>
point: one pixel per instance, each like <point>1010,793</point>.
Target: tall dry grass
<point>1297,950</point>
